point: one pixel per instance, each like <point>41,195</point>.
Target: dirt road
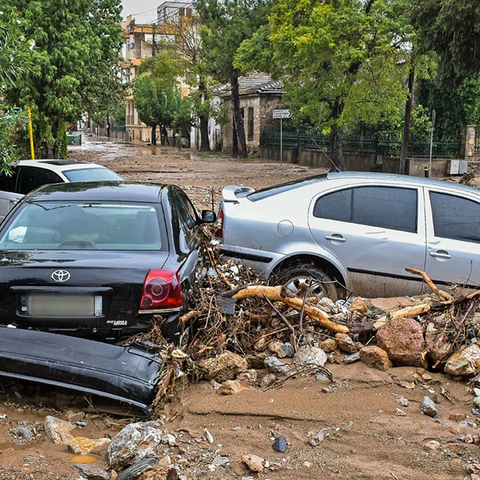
<point>362,430</point>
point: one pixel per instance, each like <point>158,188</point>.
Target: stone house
<point>259,95</point>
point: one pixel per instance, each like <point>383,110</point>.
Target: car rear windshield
<point>284,187</point>
<point>92,175</point>
<point>85,226</point>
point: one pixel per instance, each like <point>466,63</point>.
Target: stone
<point>464,362</point>
<point>92,472</point>
<point>134,443</point>
<point>267,380</point>
<point>276,347</point>
<point>276,365</point>
<point>403,401</point>
<point>24,433</point>
<point>84,446</point>
<point>249,376</point>
<point>306,464</point>
<point>358,305</point>
<point>326,304</point>
<point>328,345</point>
<point>403,341</point>
<point>289,350</point>
<point>230,387</point>
<point>352,358</point>
<point>428,407</point>
<point>225,366</point>
<point>280,444</point>
<point>75,417</point>
<point>439,347</point>
<point>313,356</point>
<point>137,469</point>
<point>59,430</point>
<point>457,417</point>
<point>253,462</point>
<point>375,357</point>
<point>257,361</point>
<point>432,446</point>
<point>345,343</point>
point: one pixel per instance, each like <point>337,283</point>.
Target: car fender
<point>305,250</point>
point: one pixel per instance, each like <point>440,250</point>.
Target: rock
<point>476,402</point>
<point>289,350</point>
<point>257,361</point>
<point>276,347</point>
<point>464,362</point>
<point>432,446</point>
<point>208,436</point>
<point>328,345</point>
<point>260,345</point>
<point>345,343</point>
<point>403,401</point>
<point>280,444</point>
<point>224,367</point>
<point>59,430</point>
<point>306,464</point>
<point>249,376</point>
<point>24,432</point>
<point>276,365</point>
<point>83,445</point>
<point>457,417</point>
<point>326,304</point>
<point>134,443</point>
<point>403,341</point>
<point>313,356</point>
<point>267,380</point>
<point>135,470</point>
<point>439,347</point>
<point>400,412</point>
<point>230,387</point>
<point>428,407</point>
<point>354,357</point>
<point>75,417</point>
<point>358,305</point>
<point>375,357</point>
<point>253,462</point>
<point>92,472</point>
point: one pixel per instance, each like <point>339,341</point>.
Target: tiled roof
<point>252,83</point>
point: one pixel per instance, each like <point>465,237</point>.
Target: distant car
<point>31,174</point>
<point>101,258</point>
<point>356,230</point>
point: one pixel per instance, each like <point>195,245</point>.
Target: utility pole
<point>406,122</point>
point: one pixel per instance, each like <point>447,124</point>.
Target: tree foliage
<point>76,54</point>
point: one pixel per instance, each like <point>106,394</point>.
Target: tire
<point>319,283</point>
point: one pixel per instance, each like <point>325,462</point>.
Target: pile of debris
<point>239,326</point>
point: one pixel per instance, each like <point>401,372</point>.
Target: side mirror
<point>208,216</point>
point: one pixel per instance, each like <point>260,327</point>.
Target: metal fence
<point>385,145</point>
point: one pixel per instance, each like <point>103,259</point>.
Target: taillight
<point>221,221</point>
<point>161,290</point>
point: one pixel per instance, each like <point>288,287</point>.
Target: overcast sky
<point>144,11</point>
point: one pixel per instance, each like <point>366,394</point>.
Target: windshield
<point>92,175</point>
<point>85,226</point>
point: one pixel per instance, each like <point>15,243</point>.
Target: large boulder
<point>225,366</point>
<point>464,362</point>
<point>403,341</point>
<point>375,357</point>
<point>134,443</point>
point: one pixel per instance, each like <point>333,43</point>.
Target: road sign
<point>282,113</point>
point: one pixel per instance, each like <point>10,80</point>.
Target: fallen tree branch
<point>429,282</point>
<point>407,312</point>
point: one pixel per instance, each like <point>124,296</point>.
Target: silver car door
<point>8,197</point>
<point>453,238</point>
<point>375,232</point>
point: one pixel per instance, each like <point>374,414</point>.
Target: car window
<point>387,207</point>
<point>30,178</point>
<point>455,217</point>
<point>97,226</point>
<point>91,175</point>
<point>7,181</point>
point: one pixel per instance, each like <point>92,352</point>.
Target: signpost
<point>281,114</point>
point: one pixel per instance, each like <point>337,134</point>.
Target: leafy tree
<point>226,25</point>
<point>77,45</point>
<point>342,61</point>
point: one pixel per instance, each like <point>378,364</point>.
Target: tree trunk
<point>406,123</point>
<point>237,118</point>
<point>204,140</point>
<point>234,140</point>
<point>154,135</point>
<point>336,147</point>
<point>108,125</point>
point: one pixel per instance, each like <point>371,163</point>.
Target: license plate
<point>62,305</point>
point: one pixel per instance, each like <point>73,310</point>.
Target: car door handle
<point>335,238</point>
<point>441,254</point>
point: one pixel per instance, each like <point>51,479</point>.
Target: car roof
<point>99,191</point>
<point>58,165</point>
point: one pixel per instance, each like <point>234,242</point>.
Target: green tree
<point>343,62</point>
<point>226,25</point>
<point>77,46</point>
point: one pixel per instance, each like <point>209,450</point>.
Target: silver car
<point>357,232</point>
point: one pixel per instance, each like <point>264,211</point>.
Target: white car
<point>31,174</point>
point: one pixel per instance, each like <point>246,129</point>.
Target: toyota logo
<point>60,276</point>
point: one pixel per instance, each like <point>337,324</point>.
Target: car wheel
<point>316,282</point>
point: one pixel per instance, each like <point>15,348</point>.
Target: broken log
<point>281,294</point>
<point>407,312</point>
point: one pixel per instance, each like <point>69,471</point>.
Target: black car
<point>98,257</point>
